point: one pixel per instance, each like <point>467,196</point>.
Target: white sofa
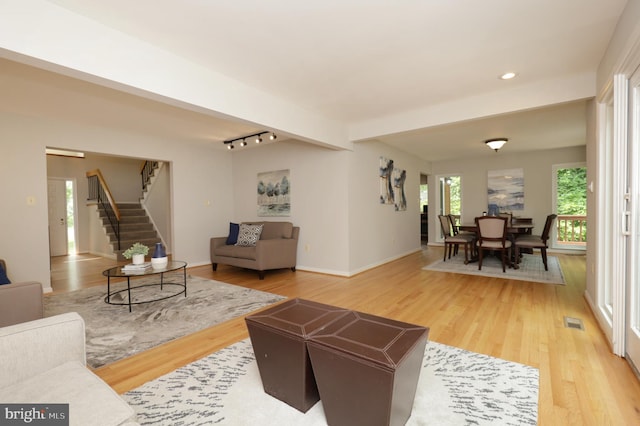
<point>43,362</point>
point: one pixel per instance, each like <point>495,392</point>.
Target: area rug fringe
<point>456,387</point>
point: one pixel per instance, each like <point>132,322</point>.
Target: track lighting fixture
<point>258,139</point>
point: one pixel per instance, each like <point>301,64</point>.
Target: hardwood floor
<point>581,381</point>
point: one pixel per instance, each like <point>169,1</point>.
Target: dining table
<point>513,228</point>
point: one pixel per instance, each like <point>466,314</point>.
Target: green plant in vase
<point>136,253</point>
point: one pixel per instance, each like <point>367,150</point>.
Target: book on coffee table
<point>136,267</point>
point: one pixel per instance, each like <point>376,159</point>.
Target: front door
<point>57,203</point>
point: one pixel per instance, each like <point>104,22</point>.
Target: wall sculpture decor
<point>392,184</point>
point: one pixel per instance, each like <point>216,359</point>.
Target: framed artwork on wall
<point>505,191</point>
<point>274,193</point>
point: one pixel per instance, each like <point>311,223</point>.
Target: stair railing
<point>99,191</point>
<point>146,172</point>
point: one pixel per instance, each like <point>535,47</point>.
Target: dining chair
<point>455,227</point>
<point>492,235</point>
<point>451,240</point>
<point>509,217</point>
<point>536,241</point>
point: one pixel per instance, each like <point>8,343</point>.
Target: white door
<point>633,225</point>
<point>448,201</point>
<point>57,202</point>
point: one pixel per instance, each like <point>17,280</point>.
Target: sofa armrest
<point>276,253</point>
<point>20,302</point>
<point>33,347</point>
<point>217,242</point>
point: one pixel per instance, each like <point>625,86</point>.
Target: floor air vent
<point>573,323</point>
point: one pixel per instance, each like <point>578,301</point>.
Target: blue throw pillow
<point>234,229</point>
<point>3,276</point>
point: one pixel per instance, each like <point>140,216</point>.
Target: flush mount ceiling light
<point>496,144</point>
<point>258,139</point>
<point>508,75</point>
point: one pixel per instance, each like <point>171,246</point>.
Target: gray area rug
<point>114,333</point>
<point>456,387</point>
<point>531,268</point>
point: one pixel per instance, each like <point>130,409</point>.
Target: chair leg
<point>503,260</point>
<point>480,255</point>
<point>444,258</point>
<point>214,266</point>
<point>544,258</point>
<point>466,253</point>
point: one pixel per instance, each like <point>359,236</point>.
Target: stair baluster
<point>99,192</point>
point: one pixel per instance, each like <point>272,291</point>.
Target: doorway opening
<point>424,209</point>
<point>62,216</point>
<point>570,200</point>
<point>449,197</point>
<point>71,211</point>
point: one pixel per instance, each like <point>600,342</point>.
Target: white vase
<point>137,259</point>
<point>159,262</point>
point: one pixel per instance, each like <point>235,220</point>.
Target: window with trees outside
<point>571,205</point>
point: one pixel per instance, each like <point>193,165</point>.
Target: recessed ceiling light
<point>507,76</point>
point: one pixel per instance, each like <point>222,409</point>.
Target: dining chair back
<point>454,224</point>
<point>452,241</point>
<point>445,224</point>
<point>531,242</point>
<point>509,217</point>
<point>492,235</point>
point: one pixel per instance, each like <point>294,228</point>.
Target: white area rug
<point>531,268</point>
<point>456,387</point>
<point>114,333</point>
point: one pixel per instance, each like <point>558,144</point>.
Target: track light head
<point>230,146</point>
<point>273,136</point>
<point>258,139</point>
<point>243,143</point>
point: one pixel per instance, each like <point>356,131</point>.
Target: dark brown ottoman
<point>278,336</point>
<point>367,369</point>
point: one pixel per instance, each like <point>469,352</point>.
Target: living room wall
<point>319,198</point>
<point>335,201</point>
<point>378,233</point>
<point>201,203</point>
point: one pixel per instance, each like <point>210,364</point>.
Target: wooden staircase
<point>135,227</point>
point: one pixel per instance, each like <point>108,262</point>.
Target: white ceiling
<point>360,61</point>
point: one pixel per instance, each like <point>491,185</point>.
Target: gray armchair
<point>20,302</point>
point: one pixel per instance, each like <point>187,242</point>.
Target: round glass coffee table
<point>121,272</point>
